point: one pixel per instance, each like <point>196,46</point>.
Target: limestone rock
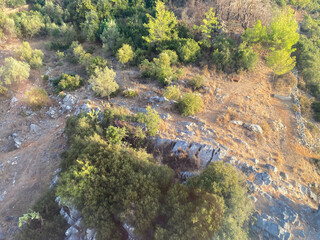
<point>35,128</point>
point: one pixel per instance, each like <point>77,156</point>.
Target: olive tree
<point>103,83</point>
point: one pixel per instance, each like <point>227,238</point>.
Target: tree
<point>190,104</point>
<point>33,57</point>
<point>282,32</point>
<point>91,25</point>
<point>255,35</point>
<point>103,83</point>
<point>189,51</point>
<point>31,23</point>
<point>13,71</point>
<point>210,24</point>
<point>125,54</point>
<point>163,26</point>
<point>152,120</point>
<point>110,35</point>
<point>281,62</point>
<point>224,181</point>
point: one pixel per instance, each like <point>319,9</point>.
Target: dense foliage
<point>141,192</point>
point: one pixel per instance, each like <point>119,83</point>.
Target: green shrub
<point>63,35</point>
<point>197,82</point>
<point>95,62</point>
<point>172,55</point>
<point>224,54</point>
<point>316,110</point>
<point>115,134</point>
<point>7,26</point>
<point>80,54</point>
<point>129,93</point>
<point>190,104</point>
<point>68,82</point>
<point>53,11</point>
<point>247,58</point>
<point>13,71</point>
<point>50,225</point>
<point>33,57</point>
<point>172,93</point>
<point>152,120</point>
<point>189,51</point>
<point>29,24</point>
<point>159,69</point>
<point>14,3</point>
<point>103,83</point>
<point>125,54</point>
<point>110,36</point>
<point>37,98</point>
<point>224,180</point>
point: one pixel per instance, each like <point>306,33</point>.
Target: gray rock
<point>237,122</point>
<point>91,234</point>
<point>254,199</point>
<point>256,161</point>
<point>302,189</point>
<point>255,128</point>
<point>263,178</point>
<point>272,228</point>
<point>272,168</point>
<point>193,150</point>
<point>17,140</point>
<point>165,116</point>
<point>85,108</point>
<point>180,146</point>
<point>35,128</point>
<point>284,176</point>
<point>52,113</point>
<point>138,109</point>
<point>68,103</point>
<point>205,155</point>
<point>2,196</point>
<point>313,196</point>
<point>1,234</point>
<point>251,186</point>
<point>186,175</point>
<point>301,233</point>
<point>158,99</point>
<point>71,231</point>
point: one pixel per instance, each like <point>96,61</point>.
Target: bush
<point>29,23</point>
<point>14,3</point>
<point>189,51</point>
<point>95,62</point>
<point>316,110</point>
<point>51,224</point>
<point>115,134</point>
<point>125,54</point>
<point>197,82</point>
<point>80,54</point>
<point>63,35</point>
<point>68,82</point>
<point>152,120</point>
<point>33,57</point>
<point>37,98</point>
<point>129,93</point>
<point>110,36</point>
<point>172,55</point>
<point>159,69</point>
<point>172,93</point>
<point>103,83</point>
<point>190,104</point>
<point>7,26</point>
<point>13,71</point>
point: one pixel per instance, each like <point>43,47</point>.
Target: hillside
<point>152,120</point>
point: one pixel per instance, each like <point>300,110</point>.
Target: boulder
<point>68,103</point>
<point>272,168</point>
<point>237,122</point>
<point>255,128</point>
<point>91,234</point>
<point>180,146</point>
<point>52,113</point>
<point>85,108</point>
<point>284,176</point>
<point>193,150</point>
<point>263,178</point>
<point>35,128</point>
<point>158,99</point>
<point>205,155</point>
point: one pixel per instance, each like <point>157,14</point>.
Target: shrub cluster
<point>190,104</point>
<point>37,98</point>
<point>143,193</point>
<point>33,57</point>
<point>68,82</point>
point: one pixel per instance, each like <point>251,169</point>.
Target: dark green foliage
<point>190,104</point>
<point>14,3</point>
<point>95,62</point>
<point>51,226</point>
<point>29,24</point>
<point>68,82</point>
<point>197,82</point>
<point>160,68</point>
<point>223,180</point>
<point>151,119</point>
<point>189,50</point>
<point>115,134</point>
<point>316,110</point>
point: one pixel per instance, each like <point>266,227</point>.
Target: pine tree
<point>281,62</point>
<point>163,26</point>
